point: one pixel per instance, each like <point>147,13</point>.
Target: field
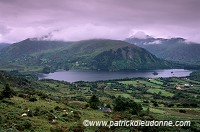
<point>61,106</point>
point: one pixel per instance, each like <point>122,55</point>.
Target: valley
<point>59,106</point>
<point>29,103</point>
<point>99,66</point>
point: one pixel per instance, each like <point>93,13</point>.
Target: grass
<point>41,123</point>
<point>147,83</point>
<point>124,95</point>
<point>12,111</point>
<point>134,83</point>
<point>157,111</point>
<point>163,92</point>
<point>156,81</point>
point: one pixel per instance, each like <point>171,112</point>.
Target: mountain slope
<point>3,45</point>
<point>175,49</point>
<point>28,47</point>
<point>97,54</point>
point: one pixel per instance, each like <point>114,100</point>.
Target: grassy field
<point>162,92</point>
<point>69,104</point>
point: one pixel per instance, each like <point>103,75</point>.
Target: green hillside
<point>28,105</point>
<point>28,47</point>
<point>97,54</point>
<point>175,49</point>
<point>185,53</point>
<point>3,45</point>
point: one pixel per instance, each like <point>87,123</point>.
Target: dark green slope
<point>30,47</point>
<point>3,45</point>
<point>112,55</point>
<point>184,53</point>
<point>97,54</point>
<point>28,53</point>
<point>175,49</point>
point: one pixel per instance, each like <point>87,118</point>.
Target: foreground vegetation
<point>28,104</point>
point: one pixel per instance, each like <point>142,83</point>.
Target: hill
<point>174,49</point>
<point>29,47</point>
<point>3,45</point>
<point>96,54</point>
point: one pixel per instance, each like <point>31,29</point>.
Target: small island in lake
<point>155,73</point>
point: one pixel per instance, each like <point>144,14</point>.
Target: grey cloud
<point>4,30</point>
<point>115,19</point>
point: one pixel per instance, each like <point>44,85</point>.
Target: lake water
<point>73,76</point>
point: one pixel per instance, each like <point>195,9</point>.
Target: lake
<point>73,75</point>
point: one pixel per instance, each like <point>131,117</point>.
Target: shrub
<point>46,70</point>
<point>30,113</point>
<point>87,105</point>
<point>7,92</point>
<point>58,129</point>
<point>1,119</point>
<point>94,102</point>
<point>32,99</point>
<point>21,95</point>
<point>155,104</point>
<point>126,104</point>
<point>79,128</point>
<point>57,108</point>
<point>27,124</point>
<point>182,111</point>
<point>37,112</point>
<point>24,125</point>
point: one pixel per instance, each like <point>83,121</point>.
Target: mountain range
<point>95,54</point>
<point>174,49</point>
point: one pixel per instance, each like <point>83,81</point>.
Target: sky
<point>72,20</point>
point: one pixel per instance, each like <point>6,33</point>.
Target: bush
<point>37,112</point>
<point>126,104</point>
<point>1,119</point>
<point>67,117</point>
<point>46,70</point>
<point>24,125</point>
<point>30,113</point>
<point>58,129</point>
<point>7,92</point>
<point>57,108</point>
<point>94,102</point>
<point>21,95</point>
<point>32,99</point>
<point>79,128</point>
<point>27,124</point>
<point>182,111</point>
<point>155,104</point>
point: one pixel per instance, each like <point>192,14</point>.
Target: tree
<point>148,110</point>
<point>94,102</point>
<point>126,104</point>
<point>66,68</point>
<point>155,104</point>
<point>46,70</point>
<point>7,92</point>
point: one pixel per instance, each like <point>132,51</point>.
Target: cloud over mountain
<point>115,19</point>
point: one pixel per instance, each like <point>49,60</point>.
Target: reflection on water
<point>73,76</point>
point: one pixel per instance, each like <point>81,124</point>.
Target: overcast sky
<point>85,19</point>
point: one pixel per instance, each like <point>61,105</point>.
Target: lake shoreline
<point>91,76</point>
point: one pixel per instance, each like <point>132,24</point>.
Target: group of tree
<point>119,104</point>
<point>126,104</point>
<point>94,102</point>
<point>7,92</point>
